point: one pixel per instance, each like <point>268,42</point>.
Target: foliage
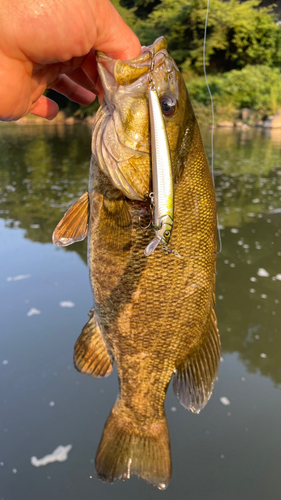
<point>238,33</point>
<point>140,7</point>
<point>127,11</point>
<point>255,87</point>
<point>243,51</point>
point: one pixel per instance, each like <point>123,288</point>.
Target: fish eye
<point>167,233</point>
<point>168,105</point>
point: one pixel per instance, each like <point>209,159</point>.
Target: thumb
<point>113,35</point>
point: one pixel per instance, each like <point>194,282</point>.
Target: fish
<point>153,316</point>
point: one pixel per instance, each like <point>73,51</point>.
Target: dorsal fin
<point>73,226</point>
<point>195,377</point>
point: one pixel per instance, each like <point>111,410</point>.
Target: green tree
<point>238,33</point>
<point>142,8</point>
<point>255,87</point>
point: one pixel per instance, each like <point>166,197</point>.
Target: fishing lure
<point>162,177</point>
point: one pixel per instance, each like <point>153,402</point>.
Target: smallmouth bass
<point>153,316</point>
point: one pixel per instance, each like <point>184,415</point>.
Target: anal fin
<point>195,377</point>
<point>90,352</point>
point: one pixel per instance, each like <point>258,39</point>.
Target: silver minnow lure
<point>162,178</point>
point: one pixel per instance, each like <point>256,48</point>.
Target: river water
<point>230,451</point>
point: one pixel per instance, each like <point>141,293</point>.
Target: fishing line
<point>213,115</point>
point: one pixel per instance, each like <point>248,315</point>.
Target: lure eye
<point>168,105</point>
<point>167,234</point>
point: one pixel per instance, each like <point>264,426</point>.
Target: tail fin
<point>126,449</point>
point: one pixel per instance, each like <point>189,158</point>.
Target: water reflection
<point>44,168</point>
<point>248,186</point>
<point>250,316</point>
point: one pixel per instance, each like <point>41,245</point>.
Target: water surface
<point>228,451</point>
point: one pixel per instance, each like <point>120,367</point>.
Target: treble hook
<point>171,251</point>
<point>151,196</point>
<point>145,227</point>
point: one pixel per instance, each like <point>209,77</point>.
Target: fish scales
<point>153,316</point>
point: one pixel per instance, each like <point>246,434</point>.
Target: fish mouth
<point>126,72</point>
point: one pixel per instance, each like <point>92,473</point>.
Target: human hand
<point>52,44</point>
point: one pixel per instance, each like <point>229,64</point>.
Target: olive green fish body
<point>153,316</point>
<point>153,311</point>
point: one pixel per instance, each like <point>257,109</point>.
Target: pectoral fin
<point>74,225</point>
<point>195,377</point>
<point>90,352</point>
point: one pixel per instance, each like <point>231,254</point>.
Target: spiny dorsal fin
<point>90,352</point>
<point>195,377</point>
<point>73,226</point>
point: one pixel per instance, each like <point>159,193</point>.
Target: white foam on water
<point>19,277</point>
<point>224,401</point>
<point>33,311</point>
<point>262,272</point>
<point>67,303</point>
<point>60,454</point>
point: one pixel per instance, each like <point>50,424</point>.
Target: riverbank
<point>61,118</point>
<point>243,119</point>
